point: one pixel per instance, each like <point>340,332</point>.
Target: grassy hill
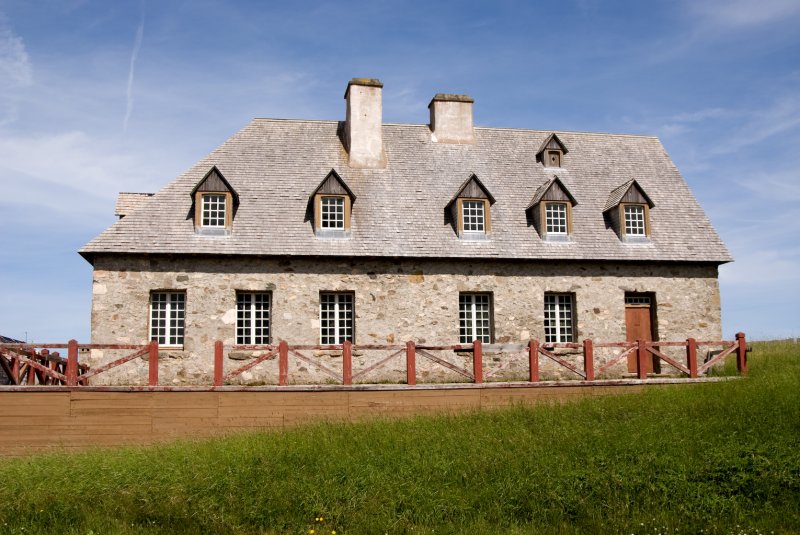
<point>711,458</point>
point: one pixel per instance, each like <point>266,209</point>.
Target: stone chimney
<point>451,118</point>
<point>363,135</point>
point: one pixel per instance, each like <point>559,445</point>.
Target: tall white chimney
<point>363,136</point>
<point>451,118</point>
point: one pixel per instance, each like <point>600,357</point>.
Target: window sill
<point>475,236</point>
<point>329,234</point>
<point>557,238</point>
<point>205,231</point>
<point>637,240</point>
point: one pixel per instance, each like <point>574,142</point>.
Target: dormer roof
<point>472,188</point>
<point>552,190</point>
<point>215,181</point>
<point>630,191</point>
<point>333,184</point>
<point>551,142</point>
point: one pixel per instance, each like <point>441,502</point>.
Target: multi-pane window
<point>253,318</point>
<point>634,220</point>
<point>472,213</point>
<point>335,318</point>
<point>474,318</point>
<point>167,314</point>
<point>332,212</point>
<point>214,210</point>
<point>559,318</point>
<point>556,218</point>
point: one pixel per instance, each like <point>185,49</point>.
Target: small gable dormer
<point>470,210</point>
<point>628,210</point>
<point>214,201</point>
<point>333,202</point>
<point>552,151</point>
<point>551,210</point>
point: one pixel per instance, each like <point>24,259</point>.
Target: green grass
<point>714,457</point>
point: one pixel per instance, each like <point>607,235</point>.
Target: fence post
<point>152,362</point>
<point>347,362</point>
<point>283,362</point>
<point>741,354</point>
<point>15,365</point>
<point>72,363</point>
<point>691,357</point>
<point>533,358</point>
<point>31,370</point>
<point>477,361</point>
<point>219,356</point>
<point>641,353</point>
<point>588,359</point>
<point>411,363</point>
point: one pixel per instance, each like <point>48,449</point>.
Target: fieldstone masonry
<point>395,301</point>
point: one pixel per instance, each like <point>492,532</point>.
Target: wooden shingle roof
<point>275,165</point>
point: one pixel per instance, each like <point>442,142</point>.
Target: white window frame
<point>475,318</point>
<point>253,318</point>
<point>336,317</point>
<point>332,212</point>
<point>556,217</point>
<point>168,322</point>
<point>634,220</point>
<point>473,208</point>
<point>216,204</point>
<point>559,318</point>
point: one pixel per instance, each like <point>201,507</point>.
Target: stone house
<point>316,232</point>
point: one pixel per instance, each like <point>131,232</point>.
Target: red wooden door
<point>639,327</point>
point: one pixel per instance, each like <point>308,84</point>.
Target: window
<point>559,318</point>
<point>214,210</point>
<point>474,318</point>
<point>335,318</point>
<point>553,158</point>
<point>332,213</point>
<point>472,217</point>
<point>635,220</point>
<point>167,314</point>
<point>253,314</point>
<point>556,218</point>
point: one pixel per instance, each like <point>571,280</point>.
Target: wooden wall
<point>62,418</point>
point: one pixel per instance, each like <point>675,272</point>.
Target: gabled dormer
<point>214,201</point>
<point>551,210</point>
<point>470,210</point>
<point>628,211</point>
<point>551,152</point>
<point>333,202</point>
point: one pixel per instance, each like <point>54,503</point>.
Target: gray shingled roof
<point>127,203</point>
<point>275,165</point>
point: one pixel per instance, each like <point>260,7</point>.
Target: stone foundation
<point>395,301</point>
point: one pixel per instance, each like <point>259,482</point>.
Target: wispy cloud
<point>16,72</point>
<point>137,44</point>
<point>742,14</point>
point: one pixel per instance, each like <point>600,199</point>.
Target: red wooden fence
<point>34,364</point>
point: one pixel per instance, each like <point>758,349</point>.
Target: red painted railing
<point>34,363</point>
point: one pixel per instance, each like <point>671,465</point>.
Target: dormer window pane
<point>634,220</point>
<point>332,213</point>
<point>214,210</point>
<point>556,218</point>
<point>473,216</point>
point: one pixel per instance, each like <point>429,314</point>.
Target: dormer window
<point>214,202</point>
<point>551,211</point>
<point>628,211</point>
<point>470,210</point>
<point>332,202</point>
<point>551,152</point>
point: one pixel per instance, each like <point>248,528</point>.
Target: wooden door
<point>639,326</point>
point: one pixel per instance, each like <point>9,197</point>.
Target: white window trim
<point>552,205</point>
<point>221,200</point>
<point>250,321</point>
<point>471,323</point>
<point>179,331</point>
<point>339,310</point>
<point>557,311</point>
<point>641,209</point>
<point>482,216</point>
<point>338,203</point>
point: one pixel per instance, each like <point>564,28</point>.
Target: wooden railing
<point>32,364</point>
<point>534,350</point>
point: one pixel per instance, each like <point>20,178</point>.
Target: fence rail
<point>34,364</point>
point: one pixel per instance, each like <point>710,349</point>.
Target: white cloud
<point>15,65</point>
<point>134,55</point>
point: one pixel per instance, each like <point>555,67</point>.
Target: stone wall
<point>395,301</point>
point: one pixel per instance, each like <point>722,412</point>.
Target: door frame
<point>652,305</point>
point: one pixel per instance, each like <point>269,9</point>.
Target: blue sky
<point>102,97</point>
